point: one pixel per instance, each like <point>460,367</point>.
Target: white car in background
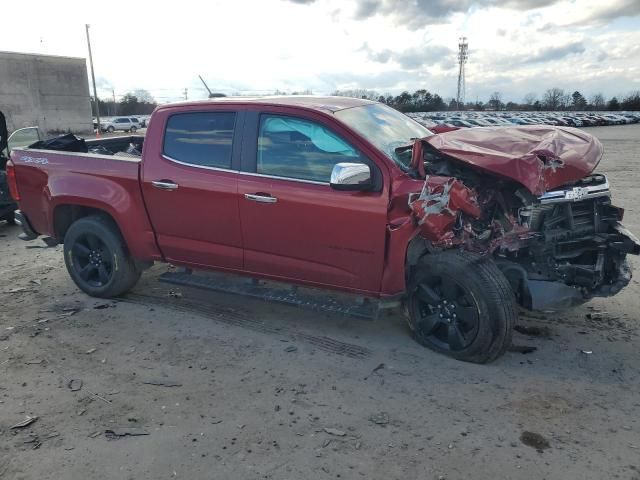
<point>120,123</point>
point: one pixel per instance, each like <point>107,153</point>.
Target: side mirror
<point>351,176</point>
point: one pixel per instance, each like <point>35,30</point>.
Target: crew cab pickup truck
<point>343,194</point>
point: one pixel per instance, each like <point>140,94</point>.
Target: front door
<point>191,191</point>
<point>294,225</point>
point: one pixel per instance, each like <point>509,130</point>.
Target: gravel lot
<point>353,399</point>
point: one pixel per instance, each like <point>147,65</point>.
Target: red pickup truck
<point>344,194</point>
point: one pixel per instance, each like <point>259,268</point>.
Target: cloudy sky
<point>516,46</point>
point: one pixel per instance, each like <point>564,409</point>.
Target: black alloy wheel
<point>447,313</point>
<point>92,260</point>
<point>461,305</point>
<point>97,257</point>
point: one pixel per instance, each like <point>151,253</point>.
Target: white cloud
<point>516,46</point>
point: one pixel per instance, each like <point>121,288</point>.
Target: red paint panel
<point>314,233</point>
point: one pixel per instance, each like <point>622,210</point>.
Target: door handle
<point>260,198</point>
<point>165,185</point>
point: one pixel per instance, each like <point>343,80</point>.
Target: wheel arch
<point>64,215</point>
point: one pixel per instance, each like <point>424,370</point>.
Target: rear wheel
<point>97,258</point>
<point>461,305</point>
<point>133,129</point>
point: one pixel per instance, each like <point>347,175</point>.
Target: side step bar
<point>273,292</point>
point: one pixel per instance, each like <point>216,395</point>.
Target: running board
<point>273,292</point>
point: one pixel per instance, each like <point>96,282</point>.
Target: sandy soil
<point>353,399</point>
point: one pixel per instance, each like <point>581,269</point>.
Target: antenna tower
<point>463,55</point>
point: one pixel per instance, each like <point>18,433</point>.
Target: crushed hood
<point>538,157</point>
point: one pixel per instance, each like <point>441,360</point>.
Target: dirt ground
<point>262,390</point>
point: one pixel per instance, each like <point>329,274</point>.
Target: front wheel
<point>460,304</point>
<point>133,130</point>
<point>111,129</point>
<point>97,258</point>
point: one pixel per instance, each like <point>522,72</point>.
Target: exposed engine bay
<point>557,247</point>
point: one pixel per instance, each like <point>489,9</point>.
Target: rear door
<point>190,186</point>
<point>295,226</point>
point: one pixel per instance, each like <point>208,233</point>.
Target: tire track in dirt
<point>229,316</point>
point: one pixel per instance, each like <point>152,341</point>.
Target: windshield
<point>385,128</point>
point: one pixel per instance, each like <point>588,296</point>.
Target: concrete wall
<point>48,91</point>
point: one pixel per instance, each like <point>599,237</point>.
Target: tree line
<point>553,99</point>
<point>138,102</point>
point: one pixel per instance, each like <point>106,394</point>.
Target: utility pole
<point>93,79</point>
<point>113,92</point>
<point>463,55</point>
<point>186,96</point>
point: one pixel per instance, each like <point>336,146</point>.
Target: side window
<point>295,148</point>
<point>203,138</point>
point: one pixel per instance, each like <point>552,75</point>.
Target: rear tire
<point>460,304</point>
<point>97,258</point>
<point>133,130</point>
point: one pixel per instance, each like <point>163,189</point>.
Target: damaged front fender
<point>439,205</point>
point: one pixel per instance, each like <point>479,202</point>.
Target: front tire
<point>111,129</point>
<point>133,130</point>
<point>460,304</point>
<point>97,258</point>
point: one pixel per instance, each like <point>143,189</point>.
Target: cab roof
<point>326,104</point>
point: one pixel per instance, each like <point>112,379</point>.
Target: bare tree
<point>553,98</point>
<point>598,101</point>
<point>143,95</point>
<point>495,101</point>
<point>530,98</point>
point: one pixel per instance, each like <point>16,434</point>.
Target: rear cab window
<point>202,139</point>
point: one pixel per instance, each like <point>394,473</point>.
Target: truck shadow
<point>586,342</point>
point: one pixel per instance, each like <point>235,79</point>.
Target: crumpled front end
<point>557,249</point>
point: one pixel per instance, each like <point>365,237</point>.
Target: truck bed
<point>50,181</point>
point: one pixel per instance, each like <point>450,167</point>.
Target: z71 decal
<point>37,160</point>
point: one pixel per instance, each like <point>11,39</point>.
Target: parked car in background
<point>125,124</point>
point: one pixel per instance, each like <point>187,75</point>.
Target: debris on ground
<point>102,306</point>
<point>173,294</point>
<point>34,362</point>
<point>34,441</point>
<point>125,432</point>
<point>36,281</point>
<point>535,440</point>
<point>291,348</point>
<point>19,290</point>
<point>90,351</point>
<point>381,418</point>
<point>74,384</point>
<point>587,352</point>
<point>524,349</point>
<point>335,431</point>
<point>533,331</point>
<point>162,382</point>
<point>25,423</point>
<point>375,371</point>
